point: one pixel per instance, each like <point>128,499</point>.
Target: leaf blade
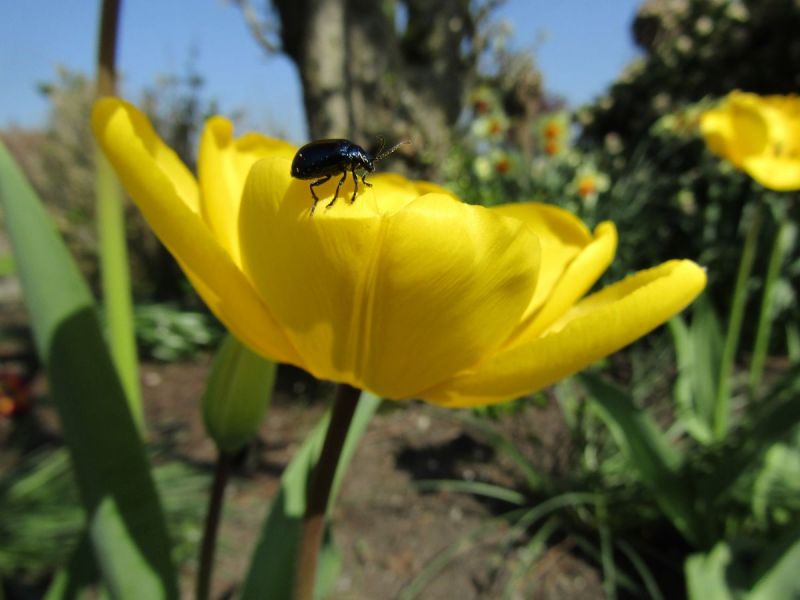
<point>126,523</point>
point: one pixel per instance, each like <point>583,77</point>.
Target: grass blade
<point>502,444</point>
<point>476,488</point>
<point>606,550</point>
<point>640,565</point>
<point>125,520</point>
<point>656,462</point>
<point>534,549</point>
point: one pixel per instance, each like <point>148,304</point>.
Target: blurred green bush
<point>635,156</point>
<point>57,162</point>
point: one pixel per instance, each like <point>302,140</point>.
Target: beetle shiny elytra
<point>322,159</point>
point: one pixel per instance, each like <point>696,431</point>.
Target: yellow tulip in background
<point>408,292</point>
<point>759,135</point>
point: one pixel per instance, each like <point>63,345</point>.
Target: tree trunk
<point>363,76</point>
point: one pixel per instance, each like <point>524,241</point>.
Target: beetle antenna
<point>382,155</point>
<point>382,142</point>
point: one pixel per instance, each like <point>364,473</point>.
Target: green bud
<point>238,393</point>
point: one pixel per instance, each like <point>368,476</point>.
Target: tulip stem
<point>767,313</point>
<point>723,399</point>
<point>321,481</point>
<point>222,471</point>
<point>110,218</point>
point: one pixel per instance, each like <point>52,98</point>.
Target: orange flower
<point>14,395</point>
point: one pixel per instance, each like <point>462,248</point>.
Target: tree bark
<point>366,73</point>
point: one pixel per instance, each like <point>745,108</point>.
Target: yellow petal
<point>392,301</point>
<point>760,135</point>
<point>749,124</point>
<point>737,128</point>
<point>578,278</point>
<point>780,174</point>
<point>166,193</point>
<point>223,165</point>
<point>599,325</point>
<point>716,127</point>
<point>562,237</point>
<point>119,127</point>
<point>429,187</point>
<point>395,190</point>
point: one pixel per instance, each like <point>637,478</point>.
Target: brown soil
<point>387,531</point>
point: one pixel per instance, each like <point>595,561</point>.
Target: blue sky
<point>586,43</point>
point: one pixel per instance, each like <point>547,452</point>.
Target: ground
<point>385,528</point>
<point>388,531</point>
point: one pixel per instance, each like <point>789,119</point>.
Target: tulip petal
<point>390,300</point>
<point>429,187</point>
<point>578,278</point>
<point>737,129</point>
<point>562,236</point>
<point>223,165</point>
<point>597,326</point>
<point>779,174</point>
<point>119,126</point>
<point>166,194</point>
<point>716,127</point>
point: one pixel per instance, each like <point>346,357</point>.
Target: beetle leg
<point>355,186</point>
<point>311,187</point>
<point>338,187</point>
<point>364,181</point>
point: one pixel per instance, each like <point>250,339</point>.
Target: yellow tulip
<point>407,292</point>
<point>759,135</point>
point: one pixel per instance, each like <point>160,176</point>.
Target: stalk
<point>723,399</point>
<point>322,479</point>
<point>766,314</point>
<point>114,271</point>
<point>205,567</point>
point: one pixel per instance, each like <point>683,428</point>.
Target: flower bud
<point>238,393</point>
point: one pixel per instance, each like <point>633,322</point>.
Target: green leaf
<point>777,485</point>
<point>706,574</point>
<point>656,462</point>
<point>775,418</point>
<point>124,516</point>
<point>777,571</point>
<point>271,573</point>
<point>698,350</point>
<point>80,574</point>
<point>7,265</point>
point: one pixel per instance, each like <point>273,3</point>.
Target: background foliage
<point>643,463</point>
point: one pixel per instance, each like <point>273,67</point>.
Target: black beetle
<point>323,159</point>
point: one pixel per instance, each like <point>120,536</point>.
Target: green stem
<point>205,566</point>
<point>723,399</point>
<point>765,316</point>
<point>322,479</point>
<point>111,230</point>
